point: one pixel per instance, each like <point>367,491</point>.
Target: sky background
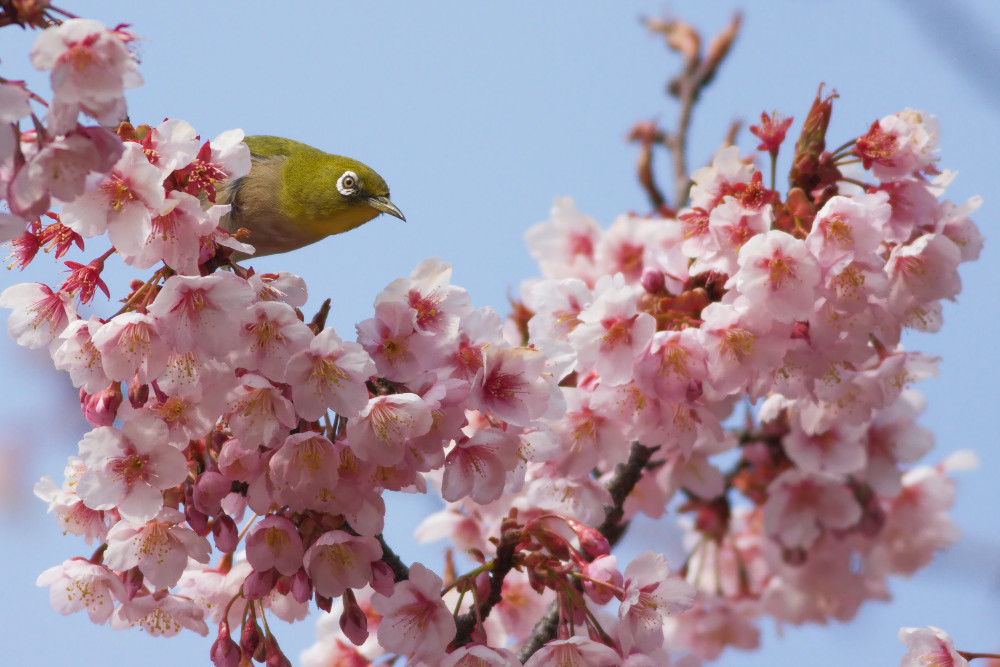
<point>478,115</point>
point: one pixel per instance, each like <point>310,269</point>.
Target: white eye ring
<point>347,184</point>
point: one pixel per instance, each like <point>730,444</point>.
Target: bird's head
<point>329,194</point>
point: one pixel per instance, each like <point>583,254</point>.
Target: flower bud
<point>100,409</point>
<point>225,533</point>
<point>353,621</point>
<point>209,490</point>
<point>225,652</point>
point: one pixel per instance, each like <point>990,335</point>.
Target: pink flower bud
<point>251,638</point>
<point>259,584</point>
<point>209,490</point>
<point>353,621</point>
<point>225,652</point>
<point>653,280</point>
<point>133,581</point>
<point>226,534</point>
<point>101,408</point>
<point>301,587</point>
<point>382,578</point>
<point>275,656</point>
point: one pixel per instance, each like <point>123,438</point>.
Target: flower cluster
<point>662,328</point>
<point>219,411</point>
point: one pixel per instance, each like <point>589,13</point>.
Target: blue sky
<point>478,115</point>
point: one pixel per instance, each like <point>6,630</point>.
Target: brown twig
<point>395,563</point>
<point>502,564</point>
<point>697,72</point>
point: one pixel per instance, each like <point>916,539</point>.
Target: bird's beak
<point>385,206</point>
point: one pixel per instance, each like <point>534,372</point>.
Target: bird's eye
<point>347,184</point>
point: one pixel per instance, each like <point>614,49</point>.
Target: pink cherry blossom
<point>477,467</point>
<point>338,561</point>
<point>273,333</point>
<point>730,226</point>
<point>304,471</point>
<point>258,412</point>
<point>170,145</point>
<point>848,228</point>
<point>588,435</point>
<point>710,184</point>
<point>329,375</point>
<point>436,305</point>
<point>59,169</point>
<point>575,651</point>
<point>160,614</point>
<point>78,584</point>
<point>612,331</point>
<point>74,517</point>
<point>275,542</point>
<point>78,356</point>
<point>400,352</point>
<point>477,655</point>
<point>800,506</point>
<point>836,451</point>
<point>650,595</point>
<point>176,233</point>
<point>39,314</point>
<point>924,270</point>
<point>122,204</point>
<point>281,286</point>
<point>380,432</point>
<point>602,578</point>
<point>415,621</point>
<point>564,244</point>
<point>160,547</point>
<point>778,272</point>
<point>929,646</point>
<point>202,312</point>
<point>708,629</point>
<point>131,346</point>
<point>511,385</point>
<point>91,68</point>
<point>128,469</point>
<point>899,145</point>
<point>672,365</point>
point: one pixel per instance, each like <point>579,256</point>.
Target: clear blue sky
<point>478,115</point>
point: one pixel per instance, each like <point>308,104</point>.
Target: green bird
<point>296,195</point>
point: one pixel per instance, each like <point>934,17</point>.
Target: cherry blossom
<point>128,469</point>
<point>415,622</point>
<point>329,375</point>
<point>78,584</point>
<point>338,561</point>
<point>929,646</point>
<point>160,547</point>
<point>650,594</point>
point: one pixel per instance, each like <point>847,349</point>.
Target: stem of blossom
<point>861,184</point>
<point>626,476</point>
<point>389,557</point>
<point>970,656</point>
<point>140,291</point>
<point>842,148</point>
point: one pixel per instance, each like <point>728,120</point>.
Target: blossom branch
<point>399,570</point>
<point>620,485</point>
<point>697,72</point>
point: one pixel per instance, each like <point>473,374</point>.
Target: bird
<point>296,195</point>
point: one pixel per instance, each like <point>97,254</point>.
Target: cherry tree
<point>732,358</point>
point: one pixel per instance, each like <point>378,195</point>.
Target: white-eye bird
<point>295,195</point>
